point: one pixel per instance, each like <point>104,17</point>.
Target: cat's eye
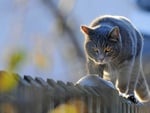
<point>95,50</point>
<point>106,50</point>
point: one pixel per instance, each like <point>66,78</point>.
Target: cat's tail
<point>142,89</point>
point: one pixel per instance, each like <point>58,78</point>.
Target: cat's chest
<point>110,73</point>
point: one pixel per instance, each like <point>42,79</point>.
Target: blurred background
<point>42,38</point>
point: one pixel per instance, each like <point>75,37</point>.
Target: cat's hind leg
<point>142,90</point>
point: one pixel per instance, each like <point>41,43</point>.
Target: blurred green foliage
<point>15,59</point>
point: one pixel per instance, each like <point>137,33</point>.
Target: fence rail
<point>39,96</point>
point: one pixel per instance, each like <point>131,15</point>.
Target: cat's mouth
<point>100,61</point>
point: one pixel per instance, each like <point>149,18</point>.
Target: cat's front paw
<point>132,99</point>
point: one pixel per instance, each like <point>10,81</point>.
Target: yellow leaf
<point>40,60</point>
<point>72,106</point>
<point>8,81</point>
<point>65,109</point>
<point>15,59</point>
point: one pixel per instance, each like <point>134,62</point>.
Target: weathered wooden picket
<point>39,96</point>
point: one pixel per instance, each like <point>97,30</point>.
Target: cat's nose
<point>101,58</point>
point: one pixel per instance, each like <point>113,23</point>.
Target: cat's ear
<point>86,30</point>
<point>114,34</point>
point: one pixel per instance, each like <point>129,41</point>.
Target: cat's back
<point>122,22</point>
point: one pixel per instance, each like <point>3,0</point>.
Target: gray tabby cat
<point>113,49</point>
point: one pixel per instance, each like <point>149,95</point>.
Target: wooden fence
<point>39,96</point>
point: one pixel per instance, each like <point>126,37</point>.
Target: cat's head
<point>102,43</point>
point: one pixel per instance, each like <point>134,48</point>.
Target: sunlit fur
<point>119,57</point>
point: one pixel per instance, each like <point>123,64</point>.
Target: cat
<point>113,48</point>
